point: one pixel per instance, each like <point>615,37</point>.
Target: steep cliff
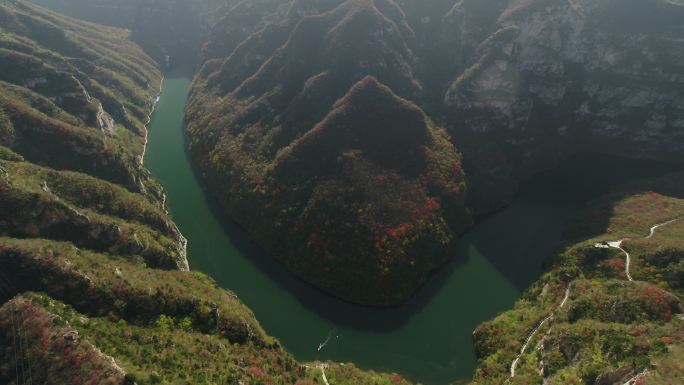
<point>75,96</point>
<point>554,78</point>
<point>321,126</point>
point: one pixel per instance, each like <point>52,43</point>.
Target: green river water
<point>429,338</point>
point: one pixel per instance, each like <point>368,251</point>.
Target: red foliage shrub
<point>656,301</point>
<point>255,371</point>
<point>400,232</point>
<point>615,265</point>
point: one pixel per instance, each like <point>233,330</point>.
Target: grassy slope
<point>60,80</point>
<point>609,329</point>
<point>68,206</point>
<point>166,352</point>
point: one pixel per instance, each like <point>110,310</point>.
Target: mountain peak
<point>369,96</point>
<point>387,130</point>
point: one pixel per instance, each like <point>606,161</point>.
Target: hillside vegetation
<point>355,140</point>
<point>508,88</point>
<point>94,284</point>
<point>171,31</point>
<point>585,321</point>
<point>320,144</point>
<point>74,95</point>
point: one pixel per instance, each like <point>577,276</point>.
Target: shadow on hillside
<point>564,189</point>
<point>593,221</point>
<point>516,240</point>
<point>332,308</point>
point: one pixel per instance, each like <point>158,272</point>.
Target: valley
<point>428,339</point>
<point>341,192</point>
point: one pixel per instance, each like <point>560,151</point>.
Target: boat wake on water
<point>325,343</point>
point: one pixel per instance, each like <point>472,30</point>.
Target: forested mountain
<point>517,86</point>
<point>608,310</point>
<point>355,141</point>
<point>94,281</point>
<point>293,129</point>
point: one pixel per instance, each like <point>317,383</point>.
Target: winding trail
<point>325,379</point>
<point>322,369</point>
<point>628,258</point>
<point>654,228</point>
<point>550,317</point>
<point>635,379</point>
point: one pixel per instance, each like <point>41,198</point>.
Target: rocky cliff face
<point>558,77</point>
<point>318,125</point>
<point>75,96</point>
<point>42,203</point>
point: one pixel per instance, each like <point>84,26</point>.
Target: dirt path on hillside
<point>321,367</point>
<point>550,317</point>
<point>628,257</point>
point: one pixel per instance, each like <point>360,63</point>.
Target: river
<point>429,338</point>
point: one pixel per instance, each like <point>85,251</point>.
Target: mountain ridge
<point>95,286</point>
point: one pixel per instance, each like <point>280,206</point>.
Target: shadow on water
<point>506,226</point>
<point>334,309</point>
<point>584,177</point>
<point>575,181</point>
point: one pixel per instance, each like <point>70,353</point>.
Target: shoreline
<point>183,241</point>
<point>149,119</point>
